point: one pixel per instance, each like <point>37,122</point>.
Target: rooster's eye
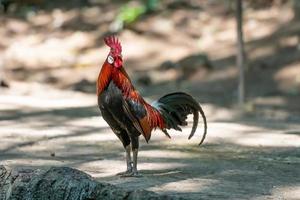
<point>110,59</point>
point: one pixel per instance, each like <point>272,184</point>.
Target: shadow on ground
<point>240,159</point>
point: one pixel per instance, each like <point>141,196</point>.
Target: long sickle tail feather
<point>196,117</point>
<point>175,108</point>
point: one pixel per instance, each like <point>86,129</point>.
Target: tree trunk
<point>240,53</point>
<point>296,8</point>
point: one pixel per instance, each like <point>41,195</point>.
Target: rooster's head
<point>115,55</point>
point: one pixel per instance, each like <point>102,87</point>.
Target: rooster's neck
<point>121,79</point>
<point>104,77</point>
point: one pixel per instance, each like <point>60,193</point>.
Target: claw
<point>129,171</point>
<point>133,174</point>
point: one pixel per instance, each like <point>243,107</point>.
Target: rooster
<point>130,116</point>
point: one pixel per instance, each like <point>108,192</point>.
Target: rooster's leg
<point>134,167</point>
<point>128,159</point>
<point>134,172</point>
<point>135,150</point>
<point>128,162</point>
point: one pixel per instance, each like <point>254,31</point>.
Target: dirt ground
<point>241,159</point>
<point>48,115</point>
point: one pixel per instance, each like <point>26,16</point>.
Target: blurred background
<point>185,45</point>
<point>50,56</point>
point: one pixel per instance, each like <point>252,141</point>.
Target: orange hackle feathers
<point>104,78</point>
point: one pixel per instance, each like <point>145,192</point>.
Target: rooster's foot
<point>127,172</point>
<point>133,174</point>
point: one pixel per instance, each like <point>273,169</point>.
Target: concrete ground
<point>241,159</point>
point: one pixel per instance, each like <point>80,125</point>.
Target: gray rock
<point>65,183</point>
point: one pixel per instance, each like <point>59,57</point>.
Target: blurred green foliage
<point>129,12</point>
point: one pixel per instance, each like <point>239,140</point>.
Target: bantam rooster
<point>130,116</point>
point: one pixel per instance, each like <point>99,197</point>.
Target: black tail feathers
<point>175,108</point>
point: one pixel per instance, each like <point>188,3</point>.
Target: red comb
<point>113,43</point>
